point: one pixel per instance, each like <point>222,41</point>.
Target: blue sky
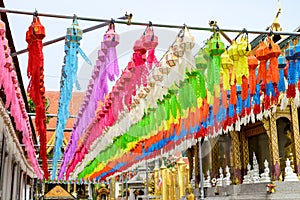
<point>235,14</point>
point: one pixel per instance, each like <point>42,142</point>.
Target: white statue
<point>289,174</point>
<point>227,180</point>
<point>220,179</point>
<point>247,177</point>
<point>255,171</point>
<point>207,182</point>
<point>265,177</point>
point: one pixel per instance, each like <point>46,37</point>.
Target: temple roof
<point>58,193</point>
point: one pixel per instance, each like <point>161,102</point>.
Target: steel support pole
<point>201,171</point>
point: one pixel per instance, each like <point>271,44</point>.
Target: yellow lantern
<point>244,49</point>
<point>226,64</point>
<point>234,55</point>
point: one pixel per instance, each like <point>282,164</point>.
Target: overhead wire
<point>129,22</point>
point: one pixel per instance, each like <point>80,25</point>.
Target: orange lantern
<point>262,54</point>
<point>252,64</point>
<point>274,52</point>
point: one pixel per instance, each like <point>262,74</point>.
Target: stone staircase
<point>283,190</point>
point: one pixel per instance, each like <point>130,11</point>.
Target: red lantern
<point>36,31</point>
<point>36,89</point>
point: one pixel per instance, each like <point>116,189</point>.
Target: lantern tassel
<point>233,95</point>
<point>291,90</point>
<point>252,82</point>
<point>256,99</point>
<point>244,87</point>
<point>274,69</point>
<point>281,83</point>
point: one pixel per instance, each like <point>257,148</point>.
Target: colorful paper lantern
<point>36,89</point>
<point>252,63</point>
<point>226,64</point>
<point>292,72</point>
<point>244,49</point>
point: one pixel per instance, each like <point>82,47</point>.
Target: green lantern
<point>215,49</point>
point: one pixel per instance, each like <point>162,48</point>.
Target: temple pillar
<point>215,159</point>
<point>245,152</point>
<point>74,190</point>
<point>113,188</point>
<point>181,177</point>
<point>69,187</point>
<point>271,130</point>
<point>156,179</point>
<point>197,165</point>
<point>175,185</point>
<point>164,188</point>
<point>170,184</point>
<point>295,128</point>
<point>236,155</point>
<point>189,153</point>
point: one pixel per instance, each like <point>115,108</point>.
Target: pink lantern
<point>150,40</point>
<point>111,39</point>
<point>139,46</point>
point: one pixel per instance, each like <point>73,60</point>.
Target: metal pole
<point>145,24</point>
<point>51,115</point>
<point>53,15</point>
<point>121,180</point>
<point>201,172</point>
<point>147,179</point>
<point>48,115</point>
<point>126,185</point>
<point>18,180</point>
<point>92,28</point>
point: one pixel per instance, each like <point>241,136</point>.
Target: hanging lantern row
<point>133,76</point>
<point>238,111</point>
<point>221,105</point>
<point>155,76</point>
<point>147,91</point>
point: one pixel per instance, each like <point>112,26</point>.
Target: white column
<point>24,187</point>
<point>131,195</point>
<point>8,180</point>
<point>21,189</point>
<point>15,182</point>
<point>27,191</point>
<point>4,185</point>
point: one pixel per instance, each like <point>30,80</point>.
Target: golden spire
<point>275,25</point>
